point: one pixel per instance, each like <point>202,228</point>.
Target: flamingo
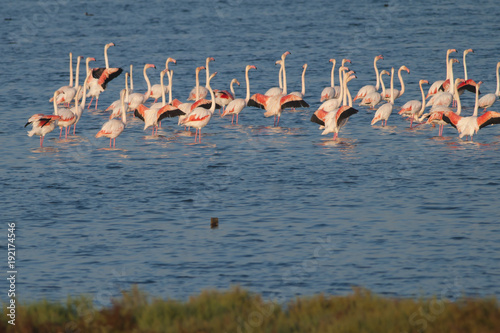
<point>397,93</point>
<point>187,107</point>
<point>103,76</point>
<point>114,127</point>
<point>274,91</point>
<point>199,117</point>
<point>66,119</point>
<point>42,125</point>
<point>435,116</point>
<point>384,112</point>
<point>335,120</point>
<point>434,88</point>
<point>156,89</point>
<point>369,88</point>
<point>414,108</point>
<point>443,98</point>
<point>489,99</point>
<point>224,97</point>
<point>330,104</point>
<point>373,98</point>
<point>237,105</point>
<point>333,91</point>
<point>152,115</point>
<point>274,105</point>
<point>137,99</point>
<point>67,93</point>
<point>199,91</point>
<point>468,126</point>
<point>466,84</point>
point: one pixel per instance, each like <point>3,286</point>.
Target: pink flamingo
<point>236,106</point>
<point>42,125</point>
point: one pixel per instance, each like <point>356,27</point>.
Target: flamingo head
<point>350,77</point>
<point>250,66</point>
<point>89,59</point>
<point>235,81</point>
<point>109,45</point>
<point>435,116</point>
<point>304,66</point>
<point>198,69</point>
<point>468,51</point>
<point>211,76</point>
<point>170,60</point>
<point>405,68</point>
<point>451,50</point>
<point>283,56</point>
<point>278,62</point>
<point>423,82</point>
<point>332,61</point>
<point>210,59</point>
<point>150,66</point>
<point>479,83</point>
<point>346,60</point>
<point>379,57</point>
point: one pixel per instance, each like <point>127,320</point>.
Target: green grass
<point>238,310</point>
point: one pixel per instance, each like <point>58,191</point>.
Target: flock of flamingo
<point>196,112</point>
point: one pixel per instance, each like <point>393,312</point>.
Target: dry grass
<point>238,310</point>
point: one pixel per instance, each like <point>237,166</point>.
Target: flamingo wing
<point>318,117</point>
<point>468,85</point>
<point>292,101</point>
<point>140,112</point>
<point>345,112</point>
<point>204,103</point>
<point>488,118</point>
<point>258,101</point>
<point>169,111</point>
<point>449,117</point>
<point>105,75</point>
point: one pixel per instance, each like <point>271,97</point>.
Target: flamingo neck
<point>247,81</point>
<point>84,94</point>
<point>77,70</point>
<point>170,75</point>
<point>382,84</point>
<point>197,89</point>
<point>476,106</point>
<point>284,78</point>
<point>377,86</point>
<point>392,86</point>
<point>212,107</point>
<point>457,97</point>
<point>126,87</point>
<point>422,109</point>
<point>131,78</point>
<point>162,74</point>
<point>55,105</point>
<point>332,74</point>
<point>147,81</point>
<point>71,69</point>
<point>122,101</point>
<point>447,65</point>
<point>402,83</point>
<point>280,77</point>
<point>207,73</point>
<point>497,92</point>
<point>106,56</point>
<point>452,80</point>
<point>349,97</point>
<point>465,66</point>
<point>304,81</point>
<point>231,87</point>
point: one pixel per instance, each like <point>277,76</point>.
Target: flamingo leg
<point>96,101</point>
<point>41,141</point>
<point>335,136</point>
<point>195,134</point>
<point>110,142</point>
<point>60,133</point>
<point>159,124</point>
<point>88,107</point>
<point>199,135</point>
<point>232,120</point>
<point>411,123</point>
<point>74,128</point>
<point>237,119</point>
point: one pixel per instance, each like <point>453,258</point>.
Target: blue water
<point>398,211</point>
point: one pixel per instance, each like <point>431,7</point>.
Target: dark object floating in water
<point>214,222</point>
<point>8,19</point>
<point>386,5</point>
<point>88,14</point>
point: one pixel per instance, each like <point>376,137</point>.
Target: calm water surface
<point>401,212</point>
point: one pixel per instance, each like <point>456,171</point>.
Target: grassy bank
<point>238,310</point>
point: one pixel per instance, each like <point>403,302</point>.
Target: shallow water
<point>401,212</point>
